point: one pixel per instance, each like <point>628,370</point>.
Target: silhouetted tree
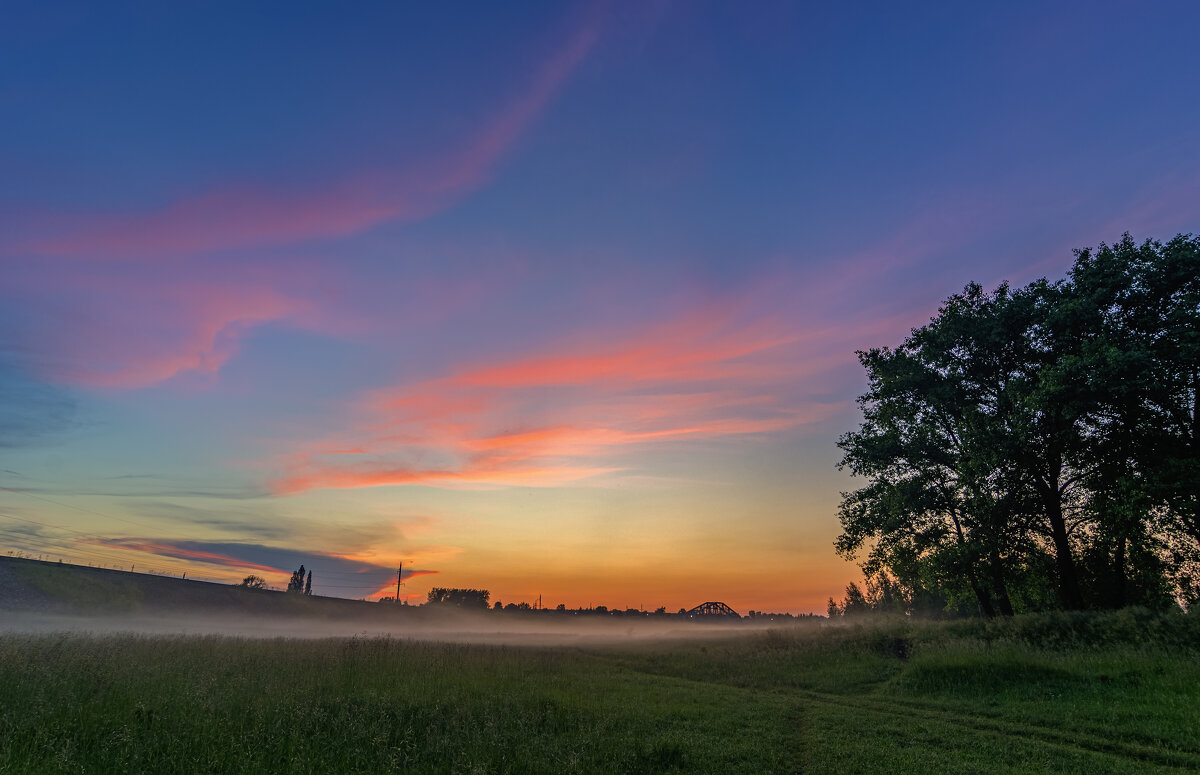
<point>461,598</point>
<point>308,584</point>
<point>1039,443</point>
<point>855,602</point>
<point>1135,364</point>
<point>934,414</point>
<point>253,582</point>
<point>296,583</point>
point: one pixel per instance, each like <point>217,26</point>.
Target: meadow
<point>1095,693</point>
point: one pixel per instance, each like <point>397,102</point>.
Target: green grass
<point>891,697</point>
<point>82,592</point>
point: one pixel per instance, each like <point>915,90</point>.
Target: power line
<point>72,506</point>
<point>60,551</point>
<point>98,553</point>
<point>175,564</point>
<point>108,558</point>
<point>301,554</point>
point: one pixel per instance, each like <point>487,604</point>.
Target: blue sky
<point>546,298</point>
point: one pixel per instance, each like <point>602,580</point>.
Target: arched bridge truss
<point>713,608</point>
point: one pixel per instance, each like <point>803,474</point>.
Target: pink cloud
<point>242,215</point>
<point>566,414</point>
<point>163,549</point>
<point>368,475</point>
<point>126,328</point>
<point>118,325</point>
<point>111,326</point>
<point>210,322</point>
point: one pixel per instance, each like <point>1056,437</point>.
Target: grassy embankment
<point>1095,694</point>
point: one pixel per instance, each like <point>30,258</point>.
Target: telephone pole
<point>399,573</point>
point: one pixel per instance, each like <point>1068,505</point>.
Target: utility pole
<point>399,573</point>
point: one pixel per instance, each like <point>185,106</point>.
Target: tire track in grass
<point>1073,741</point>
<point>1138,752</point>
<point>1189,753</point>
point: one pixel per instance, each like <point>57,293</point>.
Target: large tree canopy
<point>1038,447</point>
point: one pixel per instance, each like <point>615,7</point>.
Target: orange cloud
<point>389,590</point>
<point>567,439</point>
<point>342,478</point>
<point>706,346</point>
<point>563,416</point>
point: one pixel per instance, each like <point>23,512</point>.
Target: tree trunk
<point>999,588</point>
<point>1193,452</point>
<point>985,602</point>
<point>1119,563</point>
<point>1064,559</point>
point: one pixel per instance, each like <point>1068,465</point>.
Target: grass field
<point>1089,694</point>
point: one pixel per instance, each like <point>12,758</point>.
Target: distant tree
<point>497,606</point>
<point>253,582</point>
<point>296,583</point>
<point>460,598</point>
<point>885,595</point>
<point>308,584</point>
<point>855,602</point>
<point>562,607</point>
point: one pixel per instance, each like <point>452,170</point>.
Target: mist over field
<point>1068,692</point>
<point>442,626</point>
<point>45,597</point>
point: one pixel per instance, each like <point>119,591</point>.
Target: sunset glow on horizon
<point>554,300</point>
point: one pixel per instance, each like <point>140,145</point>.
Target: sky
<point>554,299</point>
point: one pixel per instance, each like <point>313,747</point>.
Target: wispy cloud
<point>204,326</point>
<point>246,215</point>
<point>191,551</point>
<point>568,412</point>
<point>333,574</point>
<point>153,304</point>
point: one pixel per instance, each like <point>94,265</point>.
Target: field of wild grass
<point>1109,693</point>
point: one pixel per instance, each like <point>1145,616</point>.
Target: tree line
<point>1037,447</point>
<point>300,582</point>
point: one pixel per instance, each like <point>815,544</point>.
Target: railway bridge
<point>713,610</point>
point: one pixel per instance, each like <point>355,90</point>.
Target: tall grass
<point>1113,693</point>
<point>176,704</point>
